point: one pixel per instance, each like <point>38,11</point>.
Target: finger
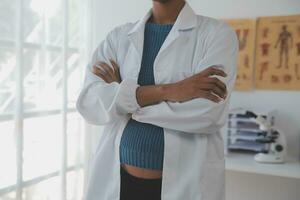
<point>106,79</point>
<point>215,89</point>
<point>115,65</point>
<point>96,70</point>
<point>99,70</point>
<point>218,72</point>
<point>101,74</point>
<point>210,96</point>
<point>216,81</point>
<point>107,68</point>
<point>116,69</point>
<point>106,71</point>
<point>213,71</point>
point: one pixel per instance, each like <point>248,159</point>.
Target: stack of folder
<point>243,132</point>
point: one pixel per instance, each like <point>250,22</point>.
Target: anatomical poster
<point>245,30</point>
<point>278,53</point>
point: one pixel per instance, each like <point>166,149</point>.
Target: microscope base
<point>268,158</point>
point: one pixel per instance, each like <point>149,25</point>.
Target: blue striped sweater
<point>142,144</point>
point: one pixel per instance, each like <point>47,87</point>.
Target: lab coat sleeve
<point>200,115</point>
<point>99,102</point>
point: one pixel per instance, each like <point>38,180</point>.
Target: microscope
<point>274,137</point>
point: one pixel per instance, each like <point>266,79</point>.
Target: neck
<point>166,12</point>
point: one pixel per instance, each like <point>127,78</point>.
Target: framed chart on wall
<point>278,53</point>
<point>246,31</point>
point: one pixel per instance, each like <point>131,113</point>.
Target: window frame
<point>19,115</point>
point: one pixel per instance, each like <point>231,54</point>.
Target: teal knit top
<point>142,144</point>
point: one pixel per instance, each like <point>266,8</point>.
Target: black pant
<point>135,188</point>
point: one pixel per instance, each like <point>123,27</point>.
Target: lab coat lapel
<point>186,20</point>
<point>136,34</point>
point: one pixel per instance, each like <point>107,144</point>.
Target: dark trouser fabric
<point>135,188</point>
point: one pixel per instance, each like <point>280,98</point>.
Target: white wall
<point>287,103</point>
<point>246,186</point>
<point>108,14</point>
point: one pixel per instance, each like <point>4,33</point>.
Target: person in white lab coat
<point>194,72</point>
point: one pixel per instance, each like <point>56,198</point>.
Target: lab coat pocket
<point>213,180</point>
<point>215,148</point>
<point>213,169</point>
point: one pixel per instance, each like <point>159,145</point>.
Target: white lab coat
<point>193,166</point>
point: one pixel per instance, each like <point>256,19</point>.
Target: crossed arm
<point>200,85</point>
<point>191,105</point>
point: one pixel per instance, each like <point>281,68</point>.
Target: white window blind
<point>42,142</point>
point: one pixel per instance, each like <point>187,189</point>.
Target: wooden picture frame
<point>246,33</point>
<point>277,62</point>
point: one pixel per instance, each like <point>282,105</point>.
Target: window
<point>41,63</point>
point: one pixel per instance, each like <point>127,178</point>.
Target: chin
<point>162,1</point>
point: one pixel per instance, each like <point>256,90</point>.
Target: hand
<point>200,85</point>
<point>107,73</point>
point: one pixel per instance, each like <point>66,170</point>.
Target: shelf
<point>245,163</point>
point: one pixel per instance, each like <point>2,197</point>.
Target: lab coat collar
<point>186,19</point>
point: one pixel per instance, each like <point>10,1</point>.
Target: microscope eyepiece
<point>251,114</point>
